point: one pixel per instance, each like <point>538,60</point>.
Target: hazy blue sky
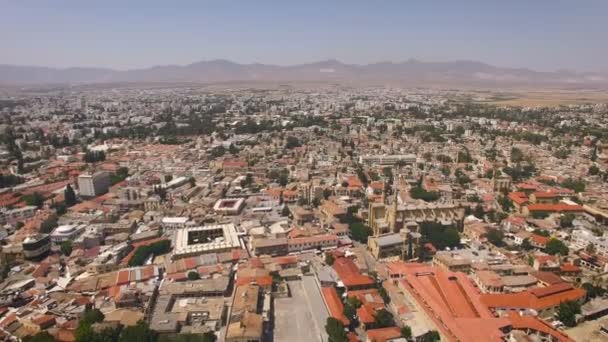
<point>539,34</point>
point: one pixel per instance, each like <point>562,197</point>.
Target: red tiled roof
<point>366,314</point>
<point>570,268</point>
<point>532,323</point>
<point>558,207</point>
<point>518,198</point>
<point>545,194</point>
<point>450,300</point>
<point>123,277</point>
<point>263,281</point>
<point>349,273</point>
<point>383,334</point>
<point>334,304</point>
<point>286,260</point>
<point>539,239</point>
<point>537,299</point>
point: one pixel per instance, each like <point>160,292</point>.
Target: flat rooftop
<point>206,239</point>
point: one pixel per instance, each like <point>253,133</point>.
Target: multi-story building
<point>66,232</point>
<point>581,239</point>
<point>93,185</point>
<point>36,246</point>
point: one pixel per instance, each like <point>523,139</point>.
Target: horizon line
<point>409,60</point>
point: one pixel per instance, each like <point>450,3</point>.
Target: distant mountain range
<point>215,71</point>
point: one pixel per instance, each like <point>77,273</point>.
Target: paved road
<point>300,318</point>
<point>315,303</point>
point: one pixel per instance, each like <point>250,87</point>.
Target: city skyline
<point>543,35</point>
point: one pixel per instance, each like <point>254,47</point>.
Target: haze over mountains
<point>449,73</point>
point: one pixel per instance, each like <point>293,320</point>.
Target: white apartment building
<point>93,185</point>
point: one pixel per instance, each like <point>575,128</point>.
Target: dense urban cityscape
<point>298,213</point>
<point>304,171</point>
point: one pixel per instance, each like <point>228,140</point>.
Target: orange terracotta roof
<point>263,281</point>
<point>539,239</point>
<point>532,323</point>
<point>370,297</point>
<point>537,299</point>
<point>366,314</point>
<point>349,273</point>
<point>451,301</point>
<point>334,304</point>
<point>518,198</point>
<point>383,334</point>
<point>545,194</point>
<point>570,268</point>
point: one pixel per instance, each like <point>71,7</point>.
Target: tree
<point>590,249</point>
<point>382,292</point>
<point>193,275</point>
<point>593,170</point>
<point>69,196</point>
<point>218,151</point>
<point>292,142</point>
<point>592,290</point>
<point>505,203</point>
<point>567,311</point>
<point>431,336</point>
<point>495,237</point>
<point>42,336</point>
<point>419,192</point>
<point>360,232</point>
<point>66,248</point>
<point>93,316</point>
<point>578,185</point>
<point>335,330</point>
<point>84,332</point>
<point>144,252</point>
<point>233,149</point>
<point>60,208</point>
<point>285,211</point>
<point>444,159</point>
<point>516,155</point>
<point>94,156</point>
<point>209,336</point>
<point>445,170</point>
<point>406,332</point>
<point>247,181</point>
<point>439,235</point>
<point>562,153</point>
<point>35,199</point>
<point>526,245</point>
<point>351,306</point>
<point>329,258</point>
<point>555,246</point>
<point>383,318</point>
<point>138,333</point>
<point>566,220</point>
<point>479,211</point>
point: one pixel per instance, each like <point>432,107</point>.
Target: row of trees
<point>144,252</point>
<point>94,156</point>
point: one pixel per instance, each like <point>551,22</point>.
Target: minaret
<point>394,209</point>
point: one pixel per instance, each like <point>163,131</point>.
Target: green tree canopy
<point>66,248</point>
<point>383,318</point>
<point>567,311</point>
<point>555,246</point>
<point>335,330</point>
<point>138,333</point>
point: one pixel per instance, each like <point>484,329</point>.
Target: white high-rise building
<point>93,185</point>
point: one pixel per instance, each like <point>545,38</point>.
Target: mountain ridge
<point>222,70</point>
